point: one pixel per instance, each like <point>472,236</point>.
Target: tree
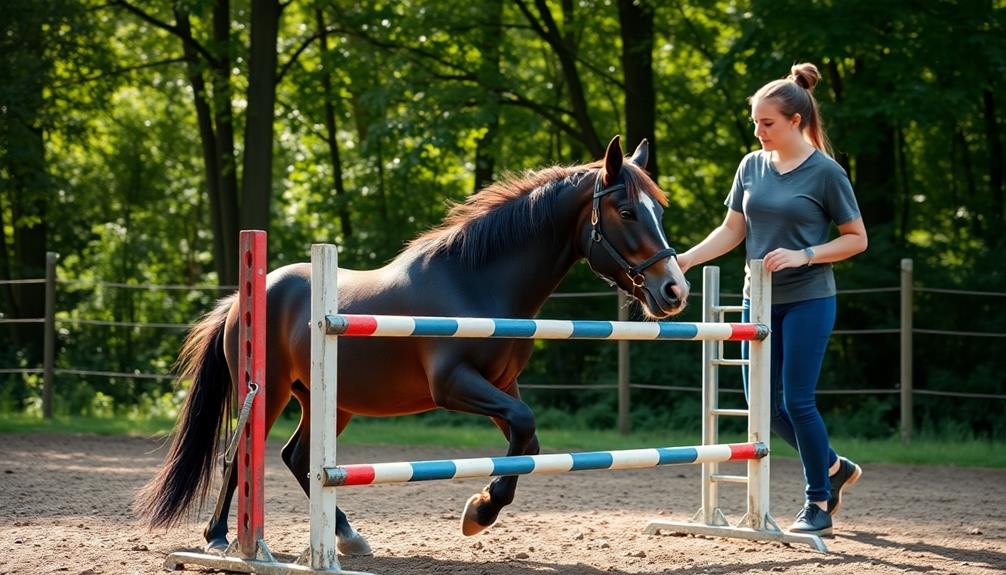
<point>26,185</point>
<point>256,189</point>
<point>229,212</point>
<point>636,25</point>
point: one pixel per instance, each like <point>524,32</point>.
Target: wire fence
<point>153,286</point>
<point>52,321</point>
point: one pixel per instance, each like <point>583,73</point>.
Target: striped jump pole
<point>488,328</point>
<point>411,471</point>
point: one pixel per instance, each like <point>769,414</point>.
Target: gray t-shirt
<point>793,211</point>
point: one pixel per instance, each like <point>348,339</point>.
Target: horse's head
<point>625,239</point>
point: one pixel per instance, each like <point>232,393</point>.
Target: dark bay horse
<point>499,254</point>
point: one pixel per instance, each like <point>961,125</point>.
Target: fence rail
<point>153,287</point>
<point>123,323</point>
<point>960,292</point>
<point>113,374</point>
<point>22,370</point>
<point>864,331</point>
<point>906,330</point>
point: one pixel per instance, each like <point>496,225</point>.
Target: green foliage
<point>913,99</point>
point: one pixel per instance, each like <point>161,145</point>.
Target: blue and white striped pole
<point>411,471</point>
<point>478,327</point>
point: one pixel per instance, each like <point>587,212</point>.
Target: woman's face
<point>772,129</point>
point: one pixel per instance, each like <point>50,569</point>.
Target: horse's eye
<point>626,214</point>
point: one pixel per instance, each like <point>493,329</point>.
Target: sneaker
<point>812,520</point>
<point>847,475</point>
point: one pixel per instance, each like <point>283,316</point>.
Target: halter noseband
<point>634,272</point>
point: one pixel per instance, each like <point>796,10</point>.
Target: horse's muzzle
<point>673,297</point>
<point>663,297</point>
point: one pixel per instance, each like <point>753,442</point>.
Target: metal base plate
<point>657,525</point>
<point>177,560</point>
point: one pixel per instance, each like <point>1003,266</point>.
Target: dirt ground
<point>65,508</point>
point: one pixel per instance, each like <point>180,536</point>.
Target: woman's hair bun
<point>805,75</point>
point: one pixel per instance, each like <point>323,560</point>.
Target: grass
<point>417,431</point>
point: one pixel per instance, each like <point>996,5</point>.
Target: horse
<point>500,253</point>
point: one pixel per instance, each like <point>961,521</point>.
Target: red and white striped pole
<point>251,369</point>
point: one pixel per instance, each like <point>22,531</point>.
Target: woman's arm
<point>851,241</point>
<point>719,241</point>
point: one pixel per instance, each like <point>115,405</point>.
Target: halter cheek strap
<point>634,272</point>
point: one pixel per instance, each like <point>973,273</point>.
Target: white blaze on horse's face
<point>651,211</point>
<point>679,288</point>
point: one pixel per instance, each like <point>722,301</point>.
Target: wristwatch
<point>810,254</point>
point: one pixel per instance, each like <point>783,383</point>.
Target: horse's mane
<point>511,211</point>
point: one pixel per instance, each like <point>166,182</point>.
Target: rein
<point>634,272</point>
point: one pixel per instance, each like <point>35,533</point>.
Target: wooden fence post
<point>49,339</point>
<point>906,351</point>
<point>624,398</point>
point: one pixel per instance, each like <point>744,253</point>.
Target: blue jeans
<point>800,332</point>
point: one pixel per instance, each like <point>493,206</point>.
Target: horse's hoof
<point>217,546</point>
<point>353,545</point>
<point>470,524</point>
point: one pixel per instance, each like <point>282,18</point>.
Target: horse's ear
<point>612,160</point>
<point>642,154</point>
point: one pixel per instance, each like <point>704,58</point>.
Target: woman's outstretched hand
<point>684,262</point>
<point>781,258</point>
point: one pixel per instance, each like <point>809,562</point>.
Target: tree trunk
<point>875,166</point>
<point>969,179</point>
<point>224,260</point>
<point>330,130</point>
<point>875,180</point>
<point>27,176</point>
<point>256,188</point>
<point>6,290</point>
<point>835,81</point>
<point>904,189</point>
<point>489,72</point>
<point>995,148</point>
<point>223,113</point>
<point>577,95</point>
<point>124,303</point>
<point>636,23</point>
<point>381,191</point>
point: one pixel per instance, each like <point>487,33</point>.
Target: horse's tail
<point>191,458</point>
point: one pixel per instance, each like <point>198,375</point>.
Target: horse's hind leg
<point>215,532</point>
<point>216,529</point>
<point>297,456</point>
<point>471,393</point>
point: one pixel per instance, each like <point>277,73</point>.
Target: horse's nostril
<point>670,294</point>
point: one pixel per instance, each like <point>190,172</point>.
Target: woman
<point>783,201</point>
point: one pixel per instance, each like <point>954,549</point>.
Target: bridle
<point>634,272</point>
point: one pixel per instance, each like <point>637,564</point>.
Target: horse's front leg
<point>502,489</point>
<point>464,389</point>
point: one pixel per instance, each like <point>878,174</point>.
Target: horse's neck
<point>523,278</point>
